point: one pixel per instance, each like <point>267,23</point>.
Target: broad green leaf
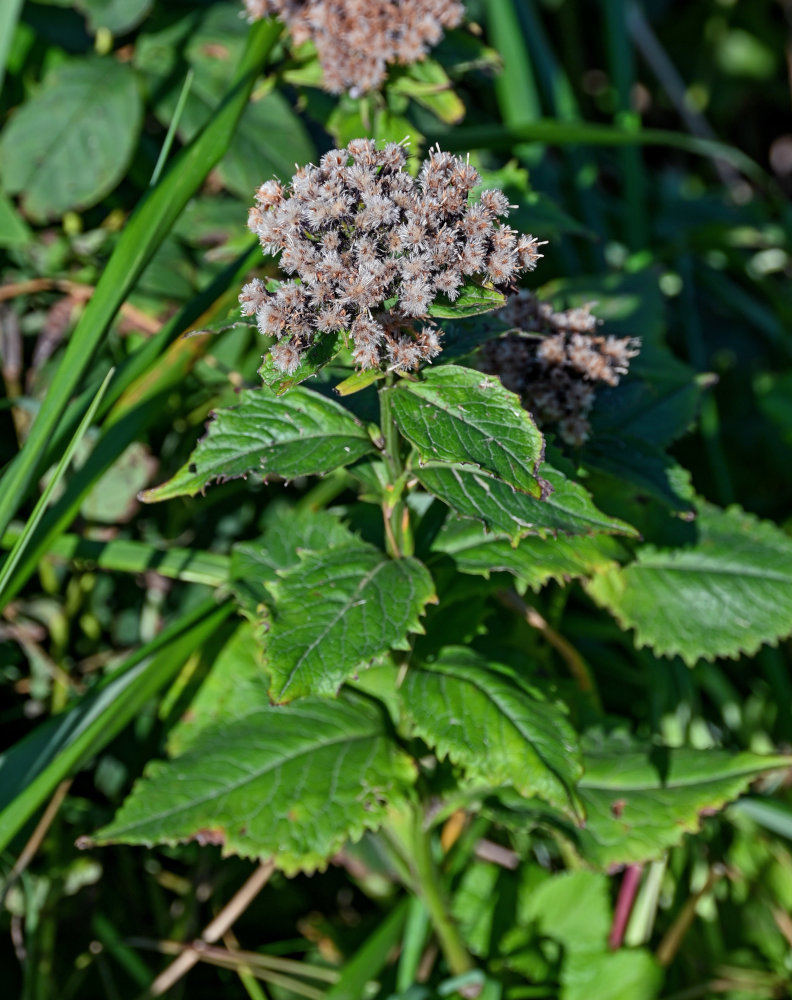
<point>288,783</point>
<point>236,680</point>
<point>727,594</point>
<point>460,416</point>
<point>640,802</point>
<point>533,560</point>
<point>314,359</point>
<point>117,16</point>
<point>498,730</point>
<point>472,300</point>
<point>288,530</point>
<point>567,509</point>
<point>573,908</point>
<point>301,434</point>
<point>641,470</point>
<point>338,609</point>
<point>628,974</point>
<point>73,166</point>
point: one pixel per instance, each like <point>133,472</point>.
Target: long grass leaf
<point>515,86</point>
<point>31,770</point>
<point>369,959</point>
<point>126,556</point>
<point>149,225</point>
<point>33,521</point>
<point>9,15</point>
<point>621,62</point>
<point>170,135</point>
<point>550,132</point>
<point>137,399</point>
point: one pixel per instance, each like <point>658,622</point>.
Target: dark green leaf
<point>460,416</point>
<point>72,166</point>
<point>301,434</point>
<point>288,783</point>
<point>338,609</point>
<point>567,509</point>
<point>532,560</point>
<point>499,731</point>
<point>640,802</point>
<point>725,595</point>
<point>116,16</point>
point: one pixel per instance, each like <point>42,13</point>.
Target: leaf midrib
<point>281,761</point>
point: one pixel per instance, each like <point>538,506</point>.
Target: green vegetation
<point>328,672</point>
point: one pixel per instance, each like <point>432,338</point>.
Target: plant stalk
<point>396,515</point>
<point>413,846</point>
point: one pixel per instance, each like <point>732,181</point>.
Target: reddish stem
<point>624,904</point>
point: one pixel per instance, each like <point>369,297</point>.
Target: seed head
<point>554,360</point>
<point>356,39</point>
<point>371,247</point>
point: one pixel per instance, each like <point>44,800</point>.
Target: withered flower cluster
<point>372,247</point>
<point>554,361</point>
<point>356,39</point>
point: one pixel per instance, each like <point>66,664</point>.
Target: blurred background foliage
<point>683,246</point>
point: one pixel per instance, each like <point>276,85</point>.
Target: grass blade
<point>133,412</point>
<point>145,231</point>
<point>550,132</point>
<point>9,15</point>
<point>32,769</point>
<point>174,124</point>
<point>26,535</point>
<point>369,959</point>
<point>126,556</point>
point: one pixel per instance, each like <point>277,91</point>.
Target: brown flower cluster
<point>356,39</point>
<point>373,247</point>
<point>554,360</point>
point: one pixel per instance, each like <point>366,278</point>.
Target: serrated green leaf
<point>567,509</point>
<point>533,560</point>
<point>288,783</point>
<point>314,359</point>
<point>288,530</point>
<point>236,680</point>
<point>338,609</point>
<point>640,802</point>
<point>472,300</point>
<point>299,435</point>
<point>460,416</point>
<point>496,729</point>
<point>73,166</point>
<point>725,595</point>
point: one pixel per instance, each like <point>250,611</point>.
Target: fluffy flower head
<point>554,361</point>
<point>371,248</point>
<point>356,39</point>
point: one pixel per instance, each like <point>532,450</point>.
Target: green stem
<point>398,533</point>
<point>413,846</point>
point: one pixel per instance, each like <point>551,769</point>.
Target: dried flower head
<point>371,247</point>
<point>356,39</point>
<point>554,360</point>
